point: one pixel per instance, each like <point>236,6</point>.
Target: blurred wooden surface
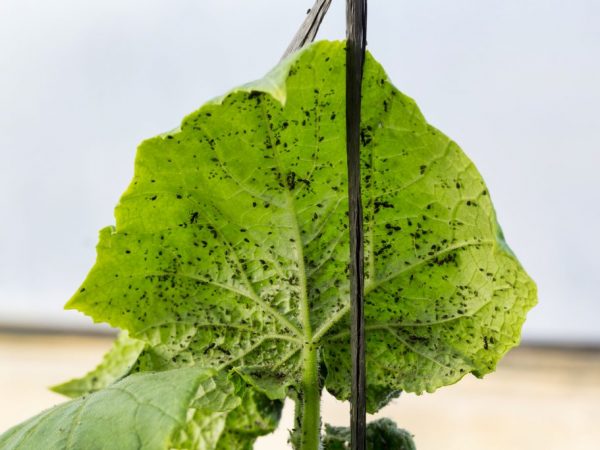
<point>539,399</point>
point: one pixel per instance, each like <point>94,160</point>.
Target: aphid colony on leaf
<point>227,269</point>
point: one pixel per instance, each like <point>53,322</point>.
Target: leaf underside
<point>230,248</point>
<point>116,364</point>
<point>153,411</point>
<point>237,428</point>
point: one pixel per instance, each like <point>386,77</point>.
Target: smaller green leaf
<point>274,387</point>
<point>336,438</point>
<point>206,421</point>
<point>150,411</point>
<point>382,434</point>
<point>256,416</point>
<point>116,364</point>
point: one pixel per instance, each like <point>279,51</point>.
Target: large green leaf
<point>230,246</point>
<point>149,411</point>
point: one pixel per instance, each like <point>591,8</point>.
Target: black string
<point>356,31</point>
<point>309,28</point>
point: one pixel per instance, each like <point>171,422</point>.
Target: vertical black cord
<point>356,29</point>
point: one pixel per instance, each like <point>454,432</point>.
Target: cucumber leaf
<point>382,434</point>
<point>256,414</point>
<point>116,364</point>
<point>230,245</point>
<point>149,411</point>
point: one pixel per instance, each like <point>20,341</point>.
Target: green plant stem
<point>311,400</point>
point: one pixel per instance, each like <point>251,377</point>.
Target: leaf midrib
<point>291,206</point>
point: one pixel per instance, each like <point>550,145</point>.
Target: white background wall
<point>515,82</point>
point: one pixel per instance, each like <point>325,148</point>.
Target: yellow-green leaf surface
<point>230,246</point>
<point>150,411</point>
